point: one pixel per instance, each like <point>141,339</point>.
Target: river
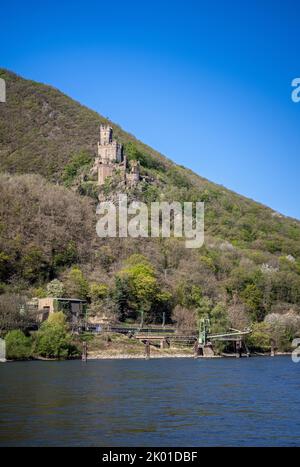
<point>160,402</point>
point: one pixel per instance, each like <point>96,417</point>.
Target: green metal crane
<point>205,337</point>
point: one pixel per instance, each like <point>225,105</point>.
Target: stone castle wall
<point>110,158</point>
<point>111,151</point>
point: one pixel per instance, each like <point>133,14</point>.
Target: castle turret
<point>105,134</point>
<point>109,149</point>
<point>110,157</point>
<point>110,154</point>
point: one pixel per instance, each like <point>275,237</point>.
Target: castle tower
<point>110,154</point>
<point>109,149</point>
<point>105,169</point>
<point>105,135</point>
<point>110,158</point>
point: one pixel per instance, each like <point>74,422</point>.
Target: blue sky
<point>206,83</point>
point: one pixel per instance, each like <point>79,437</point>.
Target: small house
<point>74,308</point>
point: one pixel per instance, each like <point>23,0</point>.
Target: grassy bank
<point>112,345</point>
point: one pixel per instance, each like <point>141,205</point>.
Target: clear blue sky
<point>207,83</point>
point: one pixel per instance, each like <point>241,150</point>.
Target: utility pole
<point>147,350</point>
<point>86,317</point>
<point>164,319</point>
<point>84,351</point>
<point>142,318</point>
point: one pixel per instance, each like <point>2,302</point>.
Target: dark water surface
<point>179,402</point>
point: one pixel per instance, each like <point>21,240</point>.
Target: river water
<point>160,402</point>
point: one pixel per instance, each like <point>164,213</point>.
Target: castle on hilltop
<point>110,160</point>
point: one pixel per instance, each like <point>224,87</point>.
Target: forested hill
<point>41,128</point>
<point>249,266</point>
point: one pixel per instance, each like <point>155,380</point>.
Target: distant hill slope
<point>251,255</point>
<point>40,128</point>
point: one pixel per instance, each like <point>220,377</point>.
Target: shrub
<point>18,346</point>
<point>55,288</point>
<point>178,178</point>
<point>66,257</point>
<point>38,292</point>
<point>33,264</point>
<point>146,160</point>
<point>71,170</point>
<point>53,339</point>
<point>253,297</point>
<point>76,284</point>
<point>259,339</point>
<point>98,292</point>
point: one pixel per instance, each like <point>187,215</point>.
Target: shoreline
<point>177,355</point>
<point>124,356</point>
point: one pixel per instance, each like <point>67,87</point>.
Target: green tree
<point>76,284</point>
<point>204,307</point>
<point>253,297</point>
<point>34,264</point>
<point>259,339</point>
<point>98,292</point>
<point>120,297</point>
<point>142,283</point>
<point>72,169</point>
<point>39,292</point>
<point>66,257</point>
<point>146,160</point>
<point>53,339</point>
<point>219,319</point>
<point>138,287</point>
<point>18,346</point>
<point>161,304</point>
<point>219,323</point>
<point>189,295</point>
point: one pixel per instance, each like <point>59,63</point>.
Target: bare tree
<point>14,312</point>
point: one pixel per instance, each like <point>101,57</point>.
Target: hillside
<point>41,128</point>
<point>248,269</point>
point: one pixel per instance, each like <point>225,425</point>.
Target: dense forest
<point>246,274</point>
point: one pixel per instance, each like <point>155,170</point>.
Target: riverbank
<point>154,354</point>
<point>115,346</point>
<point>171,353</point>
<point>135,357</point>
